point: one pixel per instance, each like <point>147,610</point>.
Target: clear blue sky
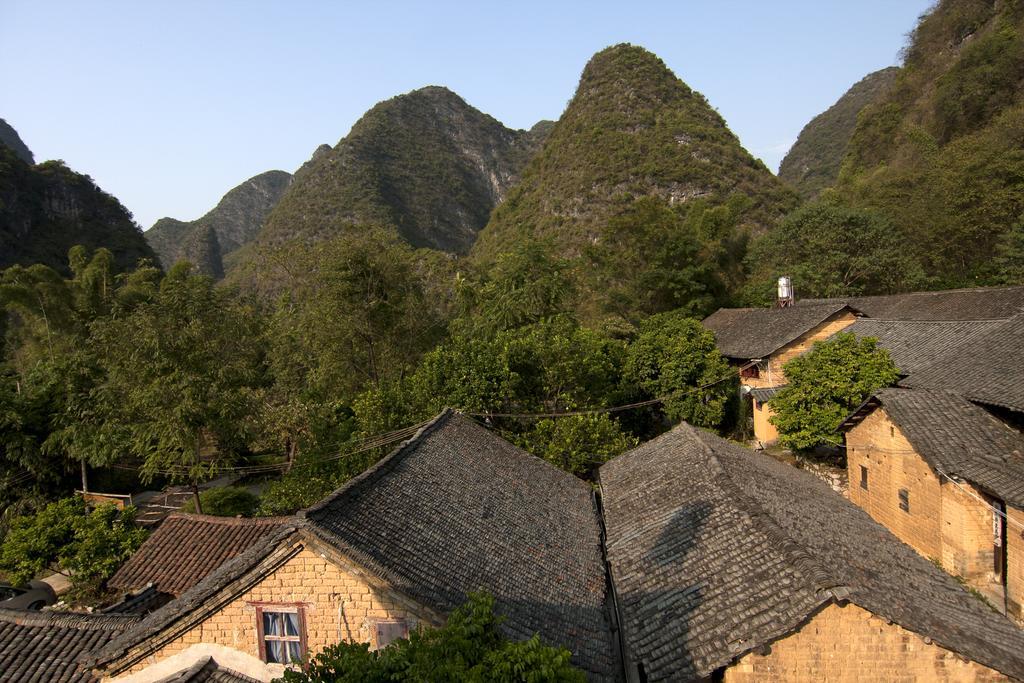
<point>167,105</point>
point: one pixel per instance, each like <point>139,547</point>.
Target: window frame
<point>864,477</point>
<point>375,623</point>
<point>904,498</point>
<point>281,608</point>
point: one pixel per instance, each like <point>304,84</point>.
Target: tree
<point>90,546</point>
<point>578,444</point>
<point>181,373</point>
<point>1010,256</point>
<point>650,259</point>
<point>831,250</point>
<point>675,357</point>
<point>824,386</point>
<point>469,647</point>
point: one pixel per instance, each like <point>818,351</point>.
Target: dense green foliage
<point>48,208</point>
<point>812,163</point>
<point>89,546</point>
<point>825,385</point>
<point>226,501</point>
<point>941,154</point>
<point>832,250</point>
<point>469,647</point>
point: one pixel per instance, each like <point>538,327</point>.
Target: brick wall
<point>851,644</point>
<point>1015,562</point>
<point>774,375</point>
<point>967,540</point>
<point>338,605</point>
<point>892,464</point>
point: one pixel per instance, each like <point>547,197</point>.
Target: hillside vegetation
<point>46,209</point>
<point>426,163</point>
<point>637,146</point>
<point>812,163</point>
<point>233,223</point>
<point>10,137</point>
<point>942,153</point>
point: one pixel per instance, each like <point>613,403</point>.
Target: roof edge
<point>378,468</point>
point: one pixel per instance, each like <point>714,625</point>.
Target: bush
<point>468,648</point>
<point>579,443</point>
<point>228,501</point>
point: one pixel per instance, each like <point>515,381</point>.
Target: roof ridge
<point>823,580</point>
<point>382,465</point>
<point>79,620</point>
<point>228,521</point>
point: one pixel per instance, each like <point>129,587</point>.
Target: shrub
<point>228,501</point>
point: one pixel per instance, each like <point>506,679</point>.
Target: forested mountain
<point>942,152</point>
<point>812,163</point>
<point>234,222</point>
<point>10,137</point>
<point>48,208</point>
<point>426,163</point>
<point>639,164</point>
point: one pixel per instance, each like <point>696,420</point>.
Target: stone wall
<point>851,644</point>
<point>337,604</point>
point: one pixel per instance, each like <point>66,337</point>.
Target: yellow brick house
<point>759,341</point>
<point>947,478</point>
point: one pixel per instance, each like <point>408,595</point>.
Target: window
<point>750,371</point>
<point>864,477</point>
<point>905,500</point>
<point>386,631</point>
<point>282,631</point>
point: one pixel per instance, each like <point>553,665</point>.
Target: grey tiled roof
<point>716,550</point>
<point>762,394</point>
<point>957,437</point>
<point>187,547</point>
<point>913,344</point>
<point>988,369</point>
<point>459,509</point>
<point>51,646</point>
<point>757,332</point>
<point>976,303</point>
<point>207,671</point>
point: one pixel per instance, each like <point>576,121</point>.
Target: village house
<point>947,478</point>
<point>974,303</point>
<point>454,510</point>
<point>759,341</point>
<point>729,566</point>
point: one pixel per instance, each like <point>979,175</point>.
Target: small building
<point>453,510</point>
<point>760,341</point>
<point>728,566</point>
<point>184,549</point>
<point>947,478</point>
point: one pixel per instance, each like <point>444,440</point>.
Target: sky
<point>168,105</point>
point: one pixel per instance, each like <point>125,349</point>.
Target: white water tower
<point>785,292</point>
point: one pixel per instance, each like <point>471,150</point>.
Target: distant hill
<point>812,164</point>
<point>46,209</point>
<point>942,151</point>
<point>632,130</point>
<point>231,224</point>
<point>10,137</point>
<point>426,163</point>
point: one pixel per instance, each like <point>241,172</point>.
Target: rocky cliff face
<point>425,163</point>
<point>10,137</point>
<point>48,208</point>
<point>812,164</point>
<point>231,224</point>
<point>632,130</point>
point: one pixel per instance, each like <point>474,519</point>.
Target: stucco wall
<point>338,605</point>
<point>764,431</point>
<point>851,644</point>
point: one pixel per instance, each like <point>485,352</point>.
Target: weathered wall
<point>851,644</point>
<point>764,431</point>
<point>338,605</point>
<point>772,374</point>
<point>1015,562</point>
<point>967,540</point>
<point>892,463</point>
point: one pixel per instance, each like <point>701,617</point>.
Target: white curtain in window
<point>291,623</point>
